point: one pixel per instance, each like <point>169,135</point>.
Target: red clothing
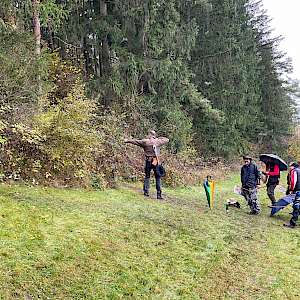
<point>293,179</point>
<point>276,171</point>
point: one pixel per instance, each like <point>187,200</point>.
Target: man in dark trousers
<point>250,179</point>
<point>273,173</point>
<point>294,188</point>
<point>151,146</point>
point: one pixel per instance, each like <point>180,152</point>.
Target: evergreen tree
<point>206,73</point>
<point>226,73</point>
<point>277,105</point>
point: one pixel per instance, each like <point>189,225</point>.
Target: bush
<point>294,148</point>
<point>57,145</point>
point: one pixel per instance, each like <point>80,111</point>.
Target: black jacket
<point>288,181</point>
<point>249,176</point>
<point>297,184</point>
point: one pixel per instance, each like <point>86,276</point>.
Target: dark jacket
<point>249,176</point>
<point>294,180</point>
<point>288,181</point>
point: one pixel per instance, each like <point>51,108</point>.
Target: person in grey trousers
<point>250,178</point>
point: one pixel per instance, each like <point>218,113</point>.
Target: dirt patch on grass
<point>169,199</point>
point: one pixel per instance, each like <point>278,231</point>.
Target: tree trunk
<point>86,58</point>
<point>106,56</point>
<point>103,9</point>
<point>146,22</point>
<point>104,42</point>
<point>36,26</point>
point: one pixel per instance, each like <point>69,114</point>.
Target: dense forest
<point>77,77</point>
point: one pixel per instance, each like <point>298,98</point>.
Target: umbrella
<point>274,158</point>
<point>282,203</point>
<point>209,187</point>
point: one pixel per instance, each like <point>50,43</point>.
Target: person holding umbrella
<point>250,179</point>
<point>273,175</point>
<point>274,164</point>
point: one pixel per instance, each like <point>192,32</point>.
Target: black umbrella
<point>274,158</point>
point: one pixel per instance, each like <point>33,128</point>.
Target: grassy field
<point>75,244</point>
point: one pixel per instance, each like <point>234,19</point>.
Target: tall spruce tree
<point>277,104</point>
<point>225,64</point>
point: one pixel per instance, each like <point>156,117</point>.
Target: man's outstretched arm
<point>136,142</point>
<point>162,141</point>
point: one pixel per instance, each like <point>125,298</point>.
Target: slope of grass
<point>74,244</point>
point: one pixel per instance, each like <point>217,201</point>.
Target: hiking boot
<point>159,196</point>
<point>146,194</point>
<point>289,225</point>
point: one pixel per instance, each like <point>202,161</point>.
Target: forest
<point>78,77</point>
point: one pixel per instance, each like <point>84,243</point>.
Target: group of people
<point>251,177</point>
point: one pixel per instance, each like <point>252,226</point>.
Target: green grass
<point>75,244</point>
